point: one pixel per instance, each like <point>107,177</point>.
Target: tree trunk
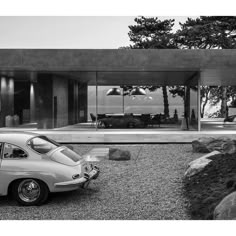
<point>187,101</point>
<point>203,108</point>
<point>224,102</point>
<point>166,103</point>
<point>187,105</point>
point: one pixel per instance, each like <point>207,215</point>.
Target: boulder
<point>200,144</point>
<point>226,209</point>
<point>209,144</point>
<point>116,154</point>
<point>199,164</point>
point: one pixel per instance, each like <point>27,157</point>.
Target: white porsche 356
<point>32,166</point>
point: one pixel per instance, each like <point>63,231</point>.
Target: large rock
<point>200,144</point>
<point>226,209</point>
<point>199,164</point>
<point>209,144</point>
<point>116,154</point>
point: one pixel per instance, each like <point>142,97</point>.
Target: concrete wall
<point>60,90</point>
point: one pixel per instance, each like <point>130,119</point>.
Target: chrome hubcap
<point>29,190</point>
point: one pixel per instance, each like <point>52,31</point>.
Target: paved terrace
<point>165,134</point>
<point>133,136</point>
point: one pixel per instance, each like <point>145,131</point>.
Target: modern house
<point>105,96</point>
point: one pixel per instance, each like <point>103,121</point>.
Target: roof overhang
<point>164,66</point>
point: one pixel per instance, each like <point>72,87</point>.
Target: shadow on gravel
<point>7,201</point>
<point>54,198</point>
<point>78,194</point>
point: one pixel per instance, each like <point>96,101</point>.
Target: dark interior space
<point>44,101</point>
<point>22,101</point>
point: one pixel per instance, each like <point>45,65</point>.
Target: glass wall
<point>74,100</point>
<point>143,100</point>
<point>218,108</point>
<point>138,106</point>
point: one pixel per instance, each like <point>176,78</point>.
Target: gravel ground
<point>149,186</point>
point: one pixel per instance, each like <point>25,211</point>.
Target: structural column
<point>199,103</point>
<point>3,101</point>
<point>32,103</point>
<point>96,100</point>
<point>11,96</point>
<point>76,103</point>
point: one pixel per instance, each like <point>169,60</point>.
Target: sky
<point>77,32</point>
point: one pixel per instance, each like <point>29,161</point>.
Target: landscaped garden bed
<point>207,188</point>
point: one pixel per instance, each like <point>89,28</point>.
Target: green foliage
<point>233,103</point>
<point>216,114</point>
<point>152,33</point>
<point>204,32</point>
<point>207,32</point>
<point>177,91</point>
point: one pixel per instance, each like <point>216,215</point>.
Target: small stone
<point>116,154</point>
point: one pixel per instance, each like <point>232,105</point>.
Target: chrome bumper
<point>93,174</point>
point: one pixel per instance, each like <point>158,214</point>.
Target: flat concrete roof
<point>116,59</point>
<point>216,67</point>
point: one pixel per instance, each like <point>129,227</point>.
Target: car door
<point>1,173</point>
<point>12,157</point>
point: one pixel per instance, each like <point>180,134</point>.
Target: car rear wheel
<point>29,192</point>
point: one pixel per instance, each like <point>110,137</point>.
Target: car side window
<point>42,145</point>
<point>13,152</point>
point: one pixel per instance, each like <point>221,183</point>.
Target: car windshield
<point>42,144</point>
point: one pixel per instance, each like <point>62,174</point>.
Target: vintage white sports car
<point>32,166</point>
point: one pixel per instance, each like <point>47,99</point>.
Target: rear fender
<point>9,177</point>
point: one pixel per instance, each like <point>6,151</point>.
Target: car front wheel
<point>29,192</point>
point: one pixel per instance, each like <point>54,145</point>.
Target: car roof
<point>16,137</point>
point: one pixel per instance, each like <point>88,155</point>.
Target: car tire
<point>30,192</point>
